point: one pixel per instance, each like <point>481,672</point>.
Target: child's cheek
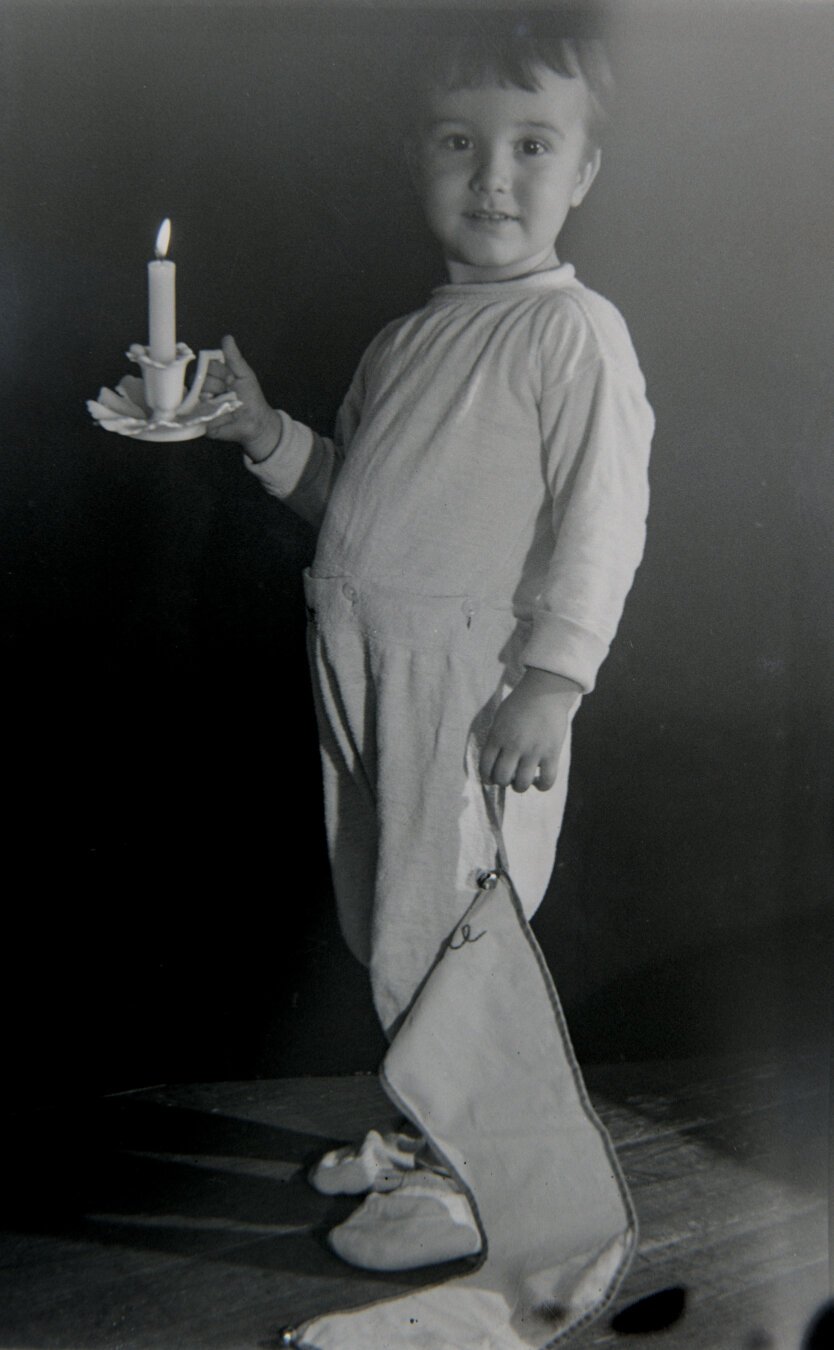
<point>441,173</point>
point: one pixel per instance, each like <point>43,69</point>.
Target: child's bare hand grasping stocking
<point>528,732</point>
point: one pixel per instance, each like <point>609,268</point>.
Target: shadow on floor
<point>154,1177</point>
<point>134,1153</point>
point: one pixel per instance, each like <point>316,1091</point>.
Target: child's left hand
<point>528,732</point>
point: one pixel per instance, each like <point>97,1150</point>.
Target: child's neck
<point>463,273</point>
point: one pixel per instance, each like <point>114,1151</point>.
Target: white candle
<point>162,300</point>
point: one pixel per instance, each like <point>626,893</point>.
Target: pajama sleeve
<point>597,428</point>
<point>304,466</point>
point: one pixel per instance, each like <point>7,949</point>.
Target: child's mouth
<point>490,217</point>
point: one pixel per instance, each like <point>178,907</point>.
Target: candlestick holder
<point>153,406</point>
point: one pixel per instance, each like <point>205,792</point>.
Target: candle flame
<point>163,239</point>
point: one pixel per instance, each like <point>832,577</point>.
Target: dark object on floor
<point>656,1312</point>
<point>821,1331</point>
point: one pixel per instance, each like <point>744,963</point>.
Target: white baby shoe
<point>424,1222</point>
<point>379,1163</point>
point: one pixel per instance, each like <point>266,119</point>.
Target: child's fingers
<point>224,428</point>
<point>234,360</point>
<point>525,774</point>
<point>217,378</point>
<point>504,768</point>
<point>547,773</point>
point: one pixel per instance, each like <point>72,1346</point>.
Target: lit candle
<point>162,300</point>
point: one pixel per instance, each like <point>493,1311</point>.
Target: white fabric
<point>483,1066</point>
<point>493,444</point>
<point>424,1222</point>
<point>406,690</point>
<point>378,1164</point>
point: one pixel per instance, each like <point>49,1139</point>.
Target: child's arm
<point>292,462</point>
<point>597,430</point>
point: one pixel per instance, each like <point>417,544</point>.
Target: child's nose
<point>492,172</point>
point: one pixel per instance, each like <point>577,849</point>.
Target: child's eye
<point>531,146</point>
<point>457,141</point>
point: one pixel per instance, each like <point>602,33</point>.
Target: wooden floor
<point>179,1218</point>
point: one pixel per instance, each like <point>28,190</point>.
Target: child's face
<point>499,169</point>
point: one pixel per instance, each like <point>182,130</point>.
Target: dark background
<point>166,899</point>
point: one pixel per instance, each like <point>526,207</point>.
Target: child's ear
<point>587,174</point>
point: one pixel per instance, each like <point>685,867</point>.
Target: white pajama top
<point>493,444</point>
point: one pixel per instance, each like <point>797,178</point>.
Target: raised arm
<point>292,461</point>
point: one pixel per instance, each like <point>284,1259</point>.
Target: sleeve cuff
<point>281,471</point>
<point>564,648</point>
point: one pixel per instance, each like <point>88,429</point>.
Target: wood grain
<point>179,1218</point>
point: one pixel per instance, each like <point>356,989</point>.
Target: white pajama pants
<point>406,687</point>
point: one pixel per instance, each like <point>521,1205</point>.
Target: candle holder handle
<point>189,403</point>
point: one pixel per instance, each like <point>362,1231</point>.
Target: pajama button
<point>348,592</point>
<point>488,880</point>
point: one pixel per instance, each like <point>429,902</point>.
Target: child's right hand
<point>255,425</point>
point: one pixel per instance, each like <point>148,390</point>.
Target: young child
<point>480,514</point>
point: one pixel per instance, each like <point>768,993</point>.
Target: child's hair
<point>505,49</point>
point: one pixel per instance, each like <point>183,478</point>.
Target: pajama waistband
<point>430,622</point>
